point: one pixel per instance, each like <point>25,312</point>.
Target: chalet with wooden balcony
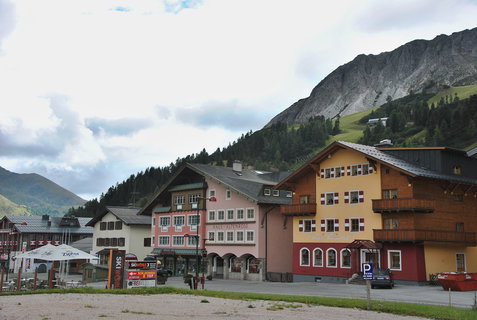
<point>412,210</point>
<point>240,234</point>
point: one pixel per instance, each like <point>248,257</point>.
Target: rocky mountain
<point>32,193</point>
<point>370,80</point>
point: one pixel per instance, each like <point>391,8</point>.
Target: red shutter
<point>346,224</point>
<point>300,226</point>
<point>348,170</point>
<point>313,225</point>
<point>322,198</point>
<point>361,224</point>
<point>346,197</point>
<point>361,196</point>
<point>336,197</point>
<point>322,175</point>
<point>337,225</point>
<point>323,225</point>
<point>332,172</point>
<point>370,169</point>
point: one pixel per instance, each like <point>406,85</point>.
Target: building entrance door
<point>371,255</point>
<point>219,267</point>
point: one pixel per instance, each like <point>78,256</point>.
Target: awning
<point>364,244</point>
<point>175,252</point>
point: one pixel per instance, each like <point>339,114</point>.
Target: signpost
<point>141,274</point>
<point>368,276</point>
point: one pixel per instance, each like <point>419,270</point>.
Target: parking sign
<point>368,271</point>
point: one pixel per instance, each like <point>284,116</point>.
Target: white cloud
<point>93,91</point>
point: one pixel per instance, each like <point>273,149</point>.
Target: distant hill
<point>8,208</point>
<point>372,80</point>
<point>36,194</point>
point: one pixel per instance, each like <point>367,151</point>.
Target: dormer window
<point>456,170</point>
<point>276,193</point>
<point>266,191</point>
<point>289,194</point>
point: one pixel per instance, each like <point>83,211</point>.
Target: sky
<point>94,91</point>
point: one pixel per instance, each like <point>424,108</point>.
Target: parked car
<point>382,278</point>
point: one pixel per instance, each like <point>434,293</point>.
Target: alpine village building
<point>412,210</point>
<point>243,236</point>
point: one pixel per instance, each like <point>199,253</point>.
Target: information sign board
<point>368,271</point>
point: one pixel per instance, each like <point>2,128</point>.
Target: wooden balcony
<point>403,205</point>
<point>308,209</point>
<point>417,235</point>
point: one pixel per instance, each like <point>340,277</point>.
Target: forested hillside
<point>279,146</point>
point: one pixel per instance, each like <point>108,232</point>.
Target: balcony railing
<point>418,235</point>
<point>403,205</point>
<point>308,209</point>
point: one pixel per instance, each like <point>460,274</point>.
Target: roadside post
<point>368,276</point>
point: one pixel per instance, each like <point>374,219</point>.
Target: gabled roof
<point>248,183</point>
<point>38,224</point>
<point>378,155</point>
<point>128,215</point>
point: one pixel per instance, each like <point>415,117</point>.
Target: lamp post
<point>213,199</point>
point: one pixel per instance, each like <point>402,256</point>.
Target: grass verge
<point>399,308</point>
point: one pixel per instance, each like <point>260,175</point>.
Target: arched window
<point>318,257</point>
<point>345,258</point>
<point>304,257</point>
<point>253,265</point>
<point>331,258</point>
<point>234,264</point>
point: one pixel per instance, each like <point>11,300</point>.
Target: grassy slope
<point>8,208</point>
<point>462,92</point>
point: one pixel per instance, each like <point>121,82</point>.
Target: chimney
<point>237,166</point>
<point>385,143</point>
<point>45,217</point>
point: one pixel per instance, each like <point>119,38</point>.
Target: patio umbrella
<point>56,253</point>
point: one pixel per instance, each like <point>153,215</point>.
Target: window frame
<point>247,214</point>
<point>227,233</point>
<point>351,198</point>
<point>301,257</point>
<point>219,212</point>
<point>167,243</point>
<point>247,232</point>
<point>211,213</point>
<point>328,265</point>
<point>314,257</point>
<point>390,266</point>
<point>342,251</point>
<point>227,215</point>
<point>228,194</point>
<point>237,214</point>
<point>237,232</point>
<point>220,233</point>
<point>103,225</point>
<point>267,192</point>
<point>174,244</point>
<point>332,198</point>
<point>327,221</point>
<point>276,193</point>
<point>351,220</point>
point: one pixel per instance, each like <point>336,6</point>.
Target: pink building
<point>243,236</point>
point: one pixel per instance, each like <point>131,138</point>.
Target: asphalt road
<point>432,295</point>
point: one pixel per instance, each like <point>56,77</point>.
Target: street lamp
<point>213,199</point>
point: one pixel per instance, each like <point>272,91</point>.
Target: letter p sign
<point>367,271</point>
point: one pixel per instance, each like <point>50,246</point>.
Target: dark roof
<point>39,224</point>
<point>380,155</point>
<point>128,215</point>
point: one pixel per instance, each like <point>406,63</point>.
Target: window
<point>288,194</point>
<point>460,262</point>
<point>230,236</point>
<point>239,236</point>
<point>304,199</point>
<point>345,258</point>
<point>390,194</point>
<point>266,191</point>
<point>121,242</point>
<point>102,226</point>
<point>365,169</point>
<point>354,170</point>
<point>331,258</point>
<point>339,172</point>
<point>318,257</point>
<point>114,242</point>
<point>230,214</point>
<point>327,173</point>
<point>394,259</point>
<point>193,198</point>
<point>111,225</point>
<point>99,242</point>
<point>458,197</point>
<point>212,193</point>
<point>330,199</point>
<point>354,224</point>
<point>178,200</point>
<point>220,215</point>
<point>211,236</point>
<point>228,194</point>
<point>235,264</point>
<point>177,240</point>
<point>211,215</point>
<point>459,227</point>
<point>250,214</point>
<point>147,242</point>
<point>330,225</point>
<point>164,221</point>
<point>118,225</point>
<point>354,196</point>
<point>220,236</point>
<point>194,220</point>
<point>192,240</point>
<point>276,193</point>
<point>456,170</point>
<point>304,257</point>
<point>240,214</point>
<point>107,242</point>
<point>307,225</point>
<point>250,236</point>
<point>253,265</point>
<point>178,221</point>
<point>164,240</point>
<point>391,223</point>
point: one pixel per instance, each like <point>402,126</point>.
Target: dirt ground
<point>88,306</point>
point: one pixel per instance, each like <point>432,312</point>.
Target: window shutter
<point>360,169</point>
<point>348,170</point>
<point>361,224</point>
<point>323,225</point>
<point>322,198</point>
<point>337,225</point>
<point>336,197</point>
<point>370,168</point>
<point>346,197</point>
<point>322,174</point>
<point>346,224</point>
<point>361,196</point>
<point>300,226</point>
<point>313,225</point>
<point>332,172</point>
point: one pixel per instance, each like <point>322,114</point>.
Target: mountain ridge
<point>370,80</point>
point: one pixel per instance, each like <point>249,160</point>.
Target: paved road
<point>433,295</point>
